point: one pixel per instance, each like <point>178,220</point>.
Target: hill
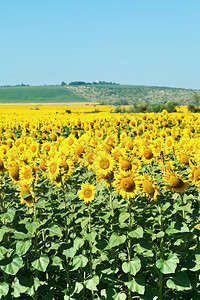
<point>103,93</point>
<point>38,94</point>
<point>121,94</point>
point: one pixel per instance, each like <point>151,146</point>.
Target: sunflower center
<point>14,173</point>
<point>87,193</point>
<point>33,148</point>
<point>65,165</point>
<point>128,185</point>
<point>80,152</point>
<point>90,159</point>
<point>104,163</point>
<point>148,187</point>
<point>148,154</point>
<point>185,159</point>
<point>53,167</point>
<point>169,143</point>
<point>126,165</point>
<point>47,147</point>
<point>1,165</point>
<point>175,182</point>
<point>27,174</point>
<point>70,142</point>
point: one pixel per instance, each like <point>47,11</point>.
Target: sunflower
<point>26,174</point>
<point>14,173</point>
<point>26,195</point>
<point>174,182</point>
<point>67,166</point>
<point>149,187</point>
<point>2,168</point>
<point>103,164</point>
<point>53,167</point>
<point>147,155</point>
<point>126,184</point>
<point>195,175</point>
<point>87,192</point>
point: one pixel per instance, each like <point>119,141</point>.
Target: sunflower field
<point>99,205</point>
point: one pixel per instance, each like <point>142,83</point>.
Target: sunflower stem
<point>129,243</point>
<point>160,280</point>
<point>90,243</point>
<point>36,236</point>
<point>66,233</point>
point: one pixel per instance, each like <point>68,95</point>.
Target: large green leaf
<point>79,261</point>
<point>78,242</point>
<point>69,252</point>
<point>123,217</point>
<point>136,285</point>
<point>55,230</point>
<point>3,251</point>
<point>12,267</point>
<point>32,226</point>
<point>116,240</point>
<point>9,215</point>
<point>179,282</point>
<point>92,283</point>
<point>18,289</point>
<point>22,247</point>
<point>132,266</point>
<point>41,263</point>
<point>137,233</point>
<point>4,288</point>
<point>120,296</point>
<point>168,266</point>
<point>4,229</point>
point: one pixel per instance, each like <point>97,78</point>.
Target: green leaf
<point>3,251</point>
<point>168,266</point>
<point>40,204</point>
<point>41,263</point>
<point>22,247</point>
<point>116,240</point>
<point>3,230</point>
<point>78,243</point>
<point>9,215</point>
<point>79,262</point>
<point>78,288</point>
<point>18,289</point>
<point>69,252</point>
<point>179,282</point>
<point>120,296</point>
<point>4,289</point>
<point>55,230</point>
<point>132,266</point>
<point>12,267</point>
<point>177,228</point>
<point>57,261</point>
<point>32,227</point>
<point>123,217</point>
<point>26,195</point>
<point>91,284</point>
<point>137,233</point>
<point>137,285</point>
<point>91,236</point>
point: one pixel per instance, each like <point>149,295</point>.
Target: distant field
<point>38,94</point>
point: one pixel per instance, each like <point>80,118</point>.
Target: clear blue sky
<point>147,42</point>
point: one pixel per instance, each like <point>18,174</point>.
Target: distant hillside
<point>115,93</point>
<point>38,94</point>
<point>109,93</point>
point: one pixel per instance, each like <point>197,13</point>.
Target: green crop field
<point>38,94</point>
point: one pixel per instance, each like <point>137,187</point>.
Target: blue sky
<point>147,42</point>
